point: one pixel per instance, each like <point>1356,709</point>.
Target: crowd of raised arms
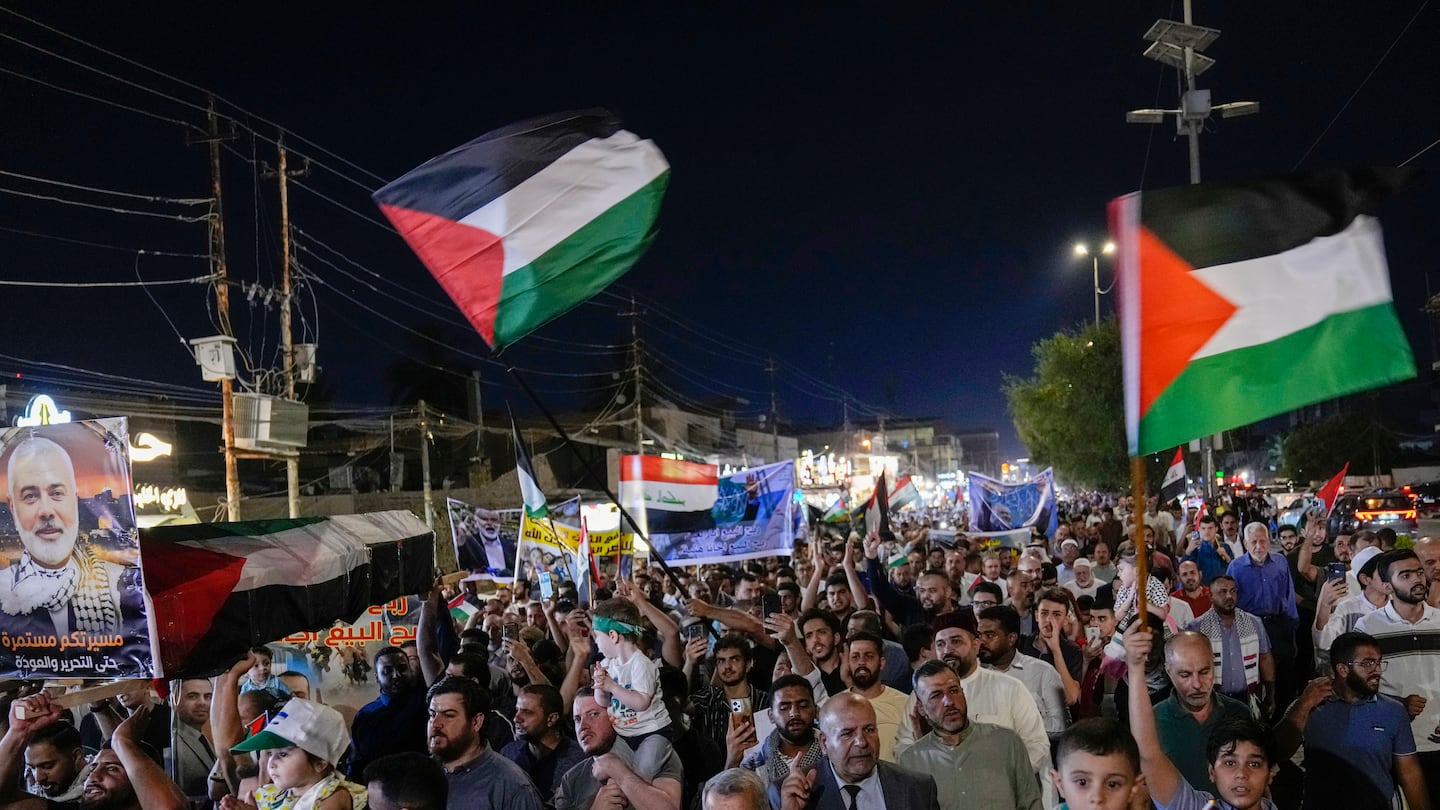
<point>1276,666</point>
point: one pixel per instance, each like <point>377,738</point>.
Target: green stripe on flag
<point>580,266</point>
<point>1346,352</point>
<point>192,532</point>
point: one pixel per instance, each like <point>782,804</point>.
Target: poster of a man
<point>71,595</point>
<point>482,544</point>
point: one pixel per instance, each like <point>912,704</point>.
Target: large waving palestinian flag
<point>524,223</point>
<point>1243,300</point>
<point>220,588</point>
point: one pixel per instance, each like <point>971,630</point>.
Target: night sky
<point>885,200</point>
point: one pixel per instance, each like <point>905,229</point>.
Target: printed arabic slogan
<point>750,514</point>
<point>71,597</point>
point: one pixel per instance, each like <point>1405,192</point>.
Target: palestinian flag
<point>524,223</point>
<point>669,496</point>
<point>877,510</point>
<point>1173,486</point>
<point>529,490</point>
<point>1244,300</point>
<point>221,588</point>
<point>1330,493</point>
<point>460,609</point>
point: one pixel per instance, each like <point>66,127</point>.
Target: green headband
<point>605,624</point>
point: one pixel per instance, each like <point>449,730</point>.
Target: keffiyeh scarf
<point>84,583</point>
<point>777,763</point>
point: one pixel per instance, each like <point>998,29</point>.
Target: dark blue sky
<point>885,199</point>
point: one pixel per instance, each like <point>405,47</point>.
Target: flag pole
<point>590,471</point>
<point>1142,553</point>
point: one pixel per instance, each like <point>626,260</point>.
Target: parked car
<point>1374,510</point>
<point>1427,498</point>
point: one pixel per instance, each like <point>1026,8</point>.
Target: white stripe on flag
<point>581,185</point>
<point>666,497</point>
<point>1284,293</point>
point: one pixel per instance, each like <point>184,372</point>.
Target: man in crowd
<point>854,777</point>
<point>1240,646</point>
<point>1103,568</point>
<point>479,777</point>
<point>1207,551</point>
<point>865,656</point>
<point>1069,553</point>
<point>998,639</point>
<point>408,781</point>
<point>1407,629</point>
<point>55,763</point>
<point>1082,581</point>
<point>1192,591</point>
<point>1230,535</point>
<point>1358,742</point>
<point>993,697</point>
<point>821,633</point>
<point>1267,593</point>
<point>933,594</point>
<point>975,765</point>
<point>394,722</point>
<point>897,664</point>
<point>730,665</point>
<point>734,789</point>
<point>126,773</point>
<point>1336,613</point>
<point>1428,550</point>
<point>794,744</point>
<point>605,779</point>
<point>1185,719</point>
<point>194,755</point>
<point>541,748</point>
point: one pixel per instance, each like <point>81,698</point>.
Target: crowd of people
<point>1271,667</point>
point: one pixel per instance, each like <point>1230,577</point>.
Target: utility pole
<point>845,406</point>
<point>425,466</point>
<point>287,344</point>
<point>212,139</point>
<point>634,315</point>
<point>774,418</point>
<point>1180,45</point>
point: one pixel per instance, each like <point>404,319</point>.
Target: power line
<point>129,195</point>
<point>80,285</point>
<point>122,248</point>
<point>17,74</point>
<point>112,209</point>
<point>377,223</point>
<point>1363,82</point>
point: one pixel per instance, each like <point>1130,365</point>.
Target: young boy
<point>630,683</point>
<point>1097,765</point>
<point>1241,753</point>
<point>259,677</point>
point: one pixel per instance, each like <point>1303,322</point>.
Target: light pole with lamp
<point>1082,249</point>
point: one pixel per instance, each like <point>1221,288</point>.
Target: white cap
<point>1082,563</point>
<point>1070,541</point>
<point>307,725</point>
<point>1363,556</point>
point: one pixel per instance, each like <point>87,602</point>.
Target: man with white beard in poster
<point>486,546</point>
<point>60,586</point>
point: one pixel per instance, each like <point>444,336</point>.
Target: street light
<point>1082,249</point>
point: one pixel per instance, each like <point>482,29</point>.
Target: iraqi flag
<point>1174,484</point>
<point>526,222</point>
<point>1242,300</point>
<point>669,496</point>
<point>221,588</point>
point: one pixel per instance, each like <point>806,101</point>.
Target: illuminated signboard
<point>42,410</point>
<point>169,499</point>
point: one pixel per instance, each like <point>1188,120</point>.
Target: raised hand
<point>795,790</point>
<point>872,545</point>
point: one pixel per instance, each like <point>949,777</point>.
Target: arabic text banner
<point>752,515</point>
<point>72,600</point>
<point>997,507</point>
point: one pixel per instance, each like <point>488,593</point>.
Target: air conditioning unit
<point>268,423</point>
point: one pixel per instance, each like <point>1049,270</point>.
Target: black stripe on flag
<point>469,177</point>
<point>1263,217</point>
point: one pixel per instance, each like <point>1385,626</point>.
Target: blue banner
<point>997,507</point>
<point>754,515</point>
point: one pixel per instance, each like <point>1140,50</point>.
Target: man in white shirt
<point>1083,583</point>
<point>998,638</point>
<point>1337,613</point>
<point>865,653</point>
<point>1408,632</point>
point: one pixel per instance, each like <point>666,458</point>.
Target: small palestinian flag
<point>1173,486</point>
<point>524,223</point>
<point>1242,300</point>
<point>530,491</point>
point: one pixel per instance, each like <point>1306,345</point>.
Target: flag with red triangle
<point>1330,493</point>
<point>524,223</point>
<point>1173,486</point>
<point>1242,300</point>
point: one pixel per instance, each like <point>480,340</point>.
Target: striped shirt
<point>1412,657</point>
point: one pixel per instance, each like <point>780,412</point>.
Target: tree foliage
<point>1070,413</point>
<point>1317,451</point>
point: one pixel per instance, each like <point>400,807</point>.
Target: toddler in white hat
<point>305,741</point>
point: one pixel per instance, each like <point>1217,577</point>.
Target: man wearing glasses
<point>1359,746</point>
<point>1408,631</point>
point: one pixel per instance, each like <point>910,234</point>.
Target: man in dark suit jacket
<point>852,777</point>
